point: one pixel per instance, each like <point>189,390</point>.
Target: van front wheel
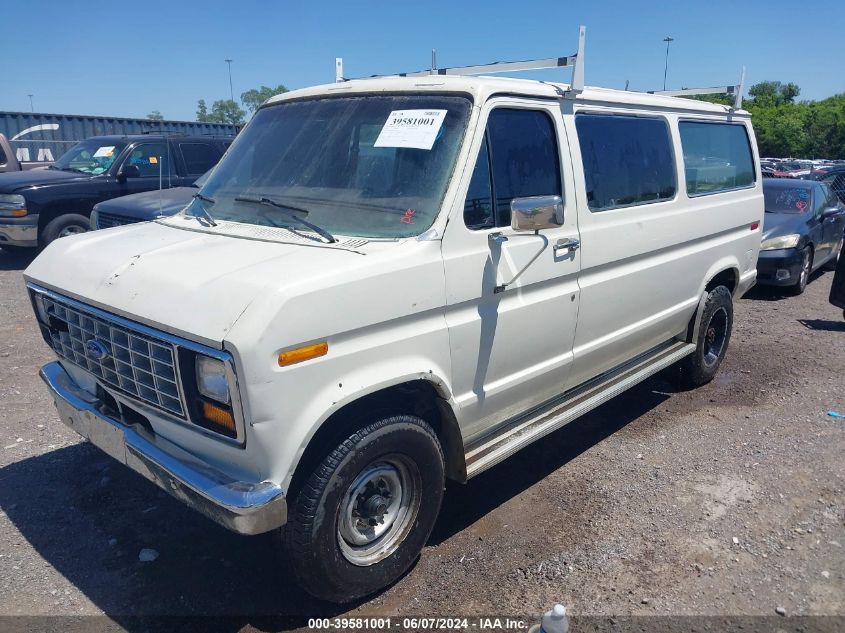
<point>714,334</point>
<point>362,517</point>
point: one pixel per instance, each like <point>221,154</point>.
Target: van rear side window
<point>627,160</point>
<point>717,156</point>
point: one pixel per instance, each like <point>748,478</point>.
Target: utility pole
<point>31,107</point>
<point>231,92</point>
<point>666,67</point>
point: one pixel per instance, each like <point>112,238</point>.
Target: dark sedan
<point>802,231</point>
<point>143,207</point>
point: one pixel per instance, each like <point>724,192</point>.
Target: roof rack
<point>576,61</point>
<point>735,90</point>
<point>165,132</point>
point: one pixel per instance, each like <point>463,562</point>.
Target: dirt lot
<point>727,500</point>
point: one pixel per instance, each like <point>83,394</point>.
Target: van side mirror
<point>128,171</point>
<point>536,213</point>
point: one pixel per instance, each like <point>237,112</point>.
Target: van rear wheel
<point>714,334</point>
<point>363,515</point>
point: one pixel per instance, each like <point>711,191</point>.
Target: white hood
<point>191,284</point>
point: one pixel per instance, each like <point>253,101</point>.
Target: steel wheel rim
<point>715,336</point>
<point>72,230</point>
<point>378,510</point>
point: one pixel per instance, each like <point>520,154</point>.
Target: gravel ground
<point>726,500</point>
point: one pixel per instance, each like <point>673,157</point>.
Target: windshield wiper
<point>205,213</point>
<point>291,209</point>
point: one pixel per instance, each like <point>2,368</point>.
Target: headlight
<point>785,241</point>
<point>211,378</point>
<point>12,206</point>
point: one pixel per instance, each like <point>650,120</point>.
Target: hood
<point>149,204</point>
<point>188,283</point>
<point>14,180</point>
<point>778,224</point>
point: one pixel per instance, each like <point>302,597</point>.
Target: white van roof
<point>481,88</point>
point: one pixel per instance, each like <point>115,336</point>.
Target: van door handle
<point>571,244</point>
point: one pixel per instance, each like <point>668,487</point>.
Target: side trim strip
<point>576,403</point>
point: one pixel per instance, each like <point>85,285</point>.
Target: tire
<point>63,225</point>
<point>804,276</point>
<point>336,546</point>
<point>831,263</point>
<point>714,335</point>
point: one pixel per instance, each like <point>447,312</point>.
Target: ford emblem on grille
<point>95,350</point>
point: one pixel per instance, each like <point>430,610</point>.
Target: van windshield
<point>375,166</point>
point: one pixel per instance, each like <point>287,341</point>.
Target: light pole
<point>231,92</point>
<point>31,107</point>
<point>666,67</point>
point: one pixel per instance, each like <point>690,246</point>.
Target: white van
<point>391,281</point>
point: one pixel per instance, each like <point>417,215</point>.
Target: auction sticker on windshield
<point>411,128</point>
<point>104,152</point>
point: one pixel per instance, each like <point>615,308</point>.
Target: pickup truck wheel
<point>64,225</point>
<point>363,515</point>
<point>714,334</point>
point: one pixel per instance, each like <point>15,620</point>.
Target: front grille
<point>134,363</point>
<point>108,220</point>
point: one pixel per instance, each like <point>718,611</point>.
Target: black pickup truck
<point>38,206</point>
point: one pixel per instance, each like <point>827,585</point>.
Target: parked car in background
<point>835,179</point>
<point>802,231</point>
<point>143,207</point>
<point>41,205</point>
<point>790,169</point>
<point>10,162</point>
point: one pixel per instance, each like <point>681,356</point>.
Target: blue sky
<point>128,58</point>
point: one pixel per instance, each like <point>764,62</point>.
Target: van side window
<point>717,156</point>
<point>478,207</point>
<point>627,160</point>
<point>518,159</point>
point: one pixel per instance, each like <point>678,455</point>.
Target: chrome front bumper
<point>244,507</point>
<point>19,231</point>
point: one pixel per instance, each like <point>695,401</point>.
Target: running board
<point>525,430</point>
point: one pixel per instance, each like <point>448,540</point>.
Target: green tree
<point>773,93</point>
<point>202,112</point>
<point>255,97</point>
<point>227,111</point>
<point>155,115</point>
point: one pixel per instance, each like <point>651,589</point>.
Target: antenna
<point>433,61</point>
<point>159,185</point>
<point>338,70</point>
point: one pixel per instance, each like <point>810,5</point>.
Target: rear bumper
<point>19,231</point>
<point>780,267</point>
<point>243,507</point>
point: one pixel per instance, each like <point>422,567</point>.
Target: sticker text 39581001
<point>411,128</point>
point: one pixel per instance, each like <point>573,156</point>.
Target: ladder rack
<point>736,91</point>
<point>576,62</point>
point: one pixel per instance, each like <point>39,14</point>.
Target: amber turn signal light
<point>220,417</point>
<point>293,356</point>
